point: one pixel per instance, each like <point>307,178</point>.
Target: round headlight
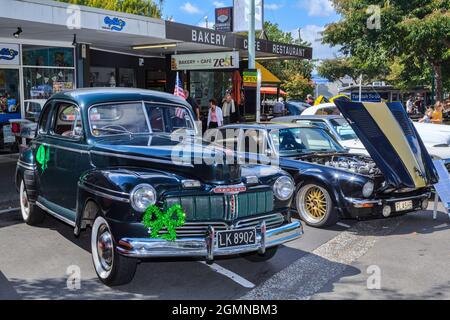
<point>142,196</point>
<point>284,188</point>
<point>368,189</point>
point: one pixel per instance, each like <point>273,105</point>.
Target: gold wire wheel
<point>316,203</point>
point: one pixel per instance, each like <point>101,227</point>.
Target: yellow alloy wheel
<point>314,205</point>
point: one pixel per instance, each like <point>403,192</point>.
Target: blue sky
<point>309,15</point>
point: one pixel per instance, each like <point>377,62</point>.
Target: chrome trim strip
<point>54,214</point>
<point>26,165</point>
<point>62,148</point>
<point>104,195</point>
<point>204,247</point>
<point>102,153</point>
<point>105,189</point>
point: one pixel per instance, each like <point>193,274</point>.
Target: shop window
<point>102,77</point>
<point>47,56</point>
<point>210,85</point>
<point>127,78</point>
<point>9,91</point>
<point>42,83</point>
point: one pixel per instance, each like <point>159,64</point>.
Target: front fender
<point>110,190</point>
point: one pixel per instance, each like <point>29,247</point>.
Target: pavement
<point>404,257</point>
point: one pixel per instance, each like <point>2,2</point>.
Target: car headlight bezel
<point>368,189</point>
<point>284,188</point>
<point>137,200</point>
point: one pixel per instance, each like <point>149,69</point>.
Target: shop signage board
<point>250,78</point>
<point>241,13</point>
<point>111,23</point>
<point>206,61</point>
<point>366,97</point>
<point>187,33</point>
<point>9,54</point>
<point>224,19</point>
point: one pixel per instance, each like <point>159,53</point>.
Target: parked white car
<point>26,127</point>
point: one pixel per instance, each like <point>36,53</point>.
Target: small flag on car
<point>179,92</point>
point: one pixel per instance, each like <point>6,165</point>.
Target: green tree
<point>413,38</point>
<point>285,70</point>
<point>336,69</point>
<point>140,7</point>
<point>297,86</point>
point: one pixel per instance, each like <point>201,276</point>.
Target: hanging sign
<point>206,61</point>
<point>9,54</point>
<point>250,78</point>
<point>224,19</point>
<point>241,12</point>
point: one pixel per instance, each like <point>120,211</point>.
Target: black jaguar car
<point>332,183</point>
<point>127,164</point>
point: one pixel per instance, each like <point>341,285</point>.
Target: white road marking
<point>343,225</point>
<point>230,274</point>
<point>9,210</point>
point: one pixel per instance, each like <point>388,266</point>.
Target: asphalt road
<point>325,264</point>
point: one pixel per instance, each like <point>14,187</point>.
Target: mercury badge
<point>230,190</point>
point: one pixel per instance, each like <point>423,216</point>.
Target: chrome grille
<point>200,229</point>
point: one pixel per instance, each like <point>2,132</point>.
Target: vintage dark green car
<point>128,164</point>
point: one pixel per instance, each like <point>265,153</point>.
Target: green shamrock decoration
<point>156,220</point>
<point>43,157</point>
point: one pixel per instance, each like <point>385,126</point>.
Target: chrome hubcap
<point>105,248</point>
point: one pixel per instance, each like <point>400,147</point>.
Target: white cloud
<point>190,8</point>
<point>272,6</point>
<point>219,4</point>
<point>317,8</point>
<point>312,34</point>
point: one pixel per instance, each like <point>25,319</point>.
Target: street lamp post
<point>252,55</point>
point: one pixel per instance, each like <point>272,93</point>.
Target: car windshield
<point>138,118</point>
<point>297,141</point>
<point>343,129</point>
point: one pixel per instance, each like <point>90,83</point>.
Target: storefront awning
<point>272,90</point>
<point>266,75</point>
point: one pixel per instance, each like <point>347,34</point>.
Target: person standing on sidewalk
<point>229,109</point>
<point>193,104</point>
<point>215,116</point>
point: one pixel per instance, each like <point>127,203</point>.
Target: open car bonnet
<point>392,141</point>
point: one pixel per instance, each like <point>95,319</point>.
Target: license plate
<point>236,238</point>
<point>404,205</point>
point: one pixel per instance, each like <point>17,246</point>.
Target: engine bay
<point>359,164</point>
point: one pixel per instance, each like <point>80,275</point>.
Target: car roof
<point>312,117</point>
<point>90,96</point>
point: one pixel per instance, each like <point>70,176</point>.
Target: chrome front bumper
<point>207,247</point>
<point>362,203</point>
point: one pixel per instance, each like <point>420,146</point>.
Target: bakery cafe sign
<point>206,61</point>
